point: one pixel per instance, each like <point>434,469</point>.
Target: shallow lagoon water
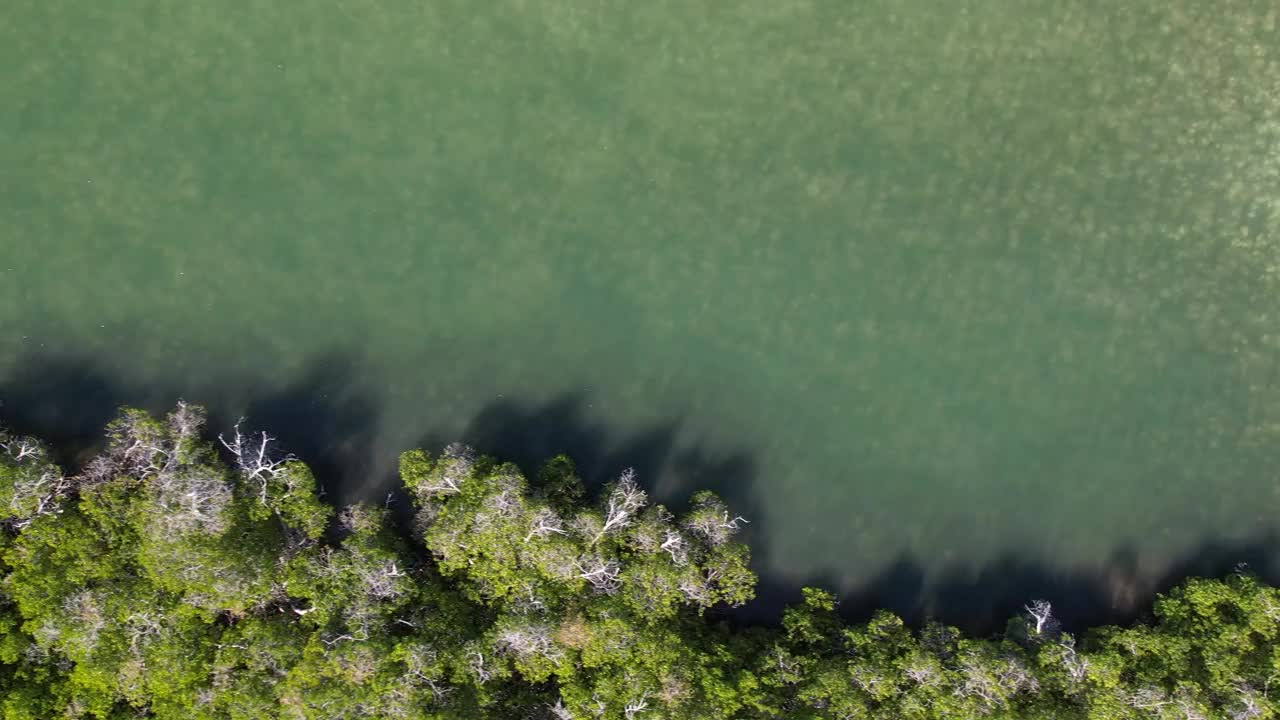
<point>955,302</point>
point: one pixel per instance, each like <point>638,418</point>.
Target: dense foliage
<point>176,577</point>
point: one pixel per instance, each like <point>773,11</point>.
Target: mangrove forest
<point>184,574</point>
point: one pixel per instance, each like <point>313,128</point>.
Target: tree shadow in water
<point>322,417</point>
<point>64,400</point>
<point>530,434</point>
<point>328,419</point>
<point>978,601</point>
<point>981,602</point>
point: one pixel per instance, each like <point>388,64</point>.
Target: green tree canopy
<point>180,576</point>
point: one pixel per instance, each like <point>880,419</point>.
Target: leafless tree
<point>1040,620</point>
<point>98,470</point>
<point>560,712</point>
<point>508,502</point>
<point>1191,710</point>
<point>475,661</point>
<point>992,683</point>
<point>625,499</point>
<point>195,499</point>
<point>398,702</point>
<point>21,449</point>
<point>48,635</point>
<point>1074,664</point>
<point>1249,704</point>
<point>545,522</point>
<point>675,546</point>
<point>456,464</point>
<point>186,422</point>
<point>649,529</point>
<point>142,627</point>
<point>381,580</point>
<point>526,600</point>
<point>645,537</point>
<point>635,707</point>
<point>787,665</point>
<point>83,608</point>
<point>697,590</point>
<point>976,683</point>
<point>713,574</point>
<point>710,520</point>
<point>357,620</point>
<point>1147,698</point>
<point>603,575</point>
<point>38,485</point>
<point>138,447</point>
<point>357,519</point>
<point>599,706</point>
<point>586,524</point>
<point>191,500</point>
<point>256,459</point>
<point>923,674</point>
<point>528,640</point>
<point>1016,677</point>
<point>422,669</point>
<point>190,493</point>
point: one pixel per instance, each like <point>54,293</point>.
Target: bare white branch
<point>138,447</point>
<point>142,627</point>
<point>922,673</point>
<point>711,521</point>
<point>1147,698</point>
<point>635,707</point>
<point>603,575</point>
<point>1040,620</point>
<point>992,684</point>
<point>456,464</point>
<point>21,449</point>
<point>696,590</point>
<point>186,421</point>
<point>675,546</point>
<point>196,499</point>
<point>380,580</point>
<point>1249,704</point>
<point>1075,665</point>
<point>475,661</point>
<point>528,640</point>
<point>256,459</point>
<point>624,501</point>
<point>38,486</point>
<point>560,712</point>
<point>544,523</point>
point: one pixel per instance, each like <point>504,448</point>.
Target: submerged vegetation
<point>178,577</point>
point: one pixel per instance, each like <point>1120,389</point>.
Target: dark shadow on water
<point>982,602</point>
<point>322,417</point>
<point>64,400</point>
<point>530,434</point>
<point>330,420</point>
<point>326,418</point>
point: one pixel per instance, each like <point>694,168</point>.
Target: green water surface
<point>958,280</point>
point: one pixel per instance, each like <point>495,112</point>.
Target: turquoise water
<point>922,286</point>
